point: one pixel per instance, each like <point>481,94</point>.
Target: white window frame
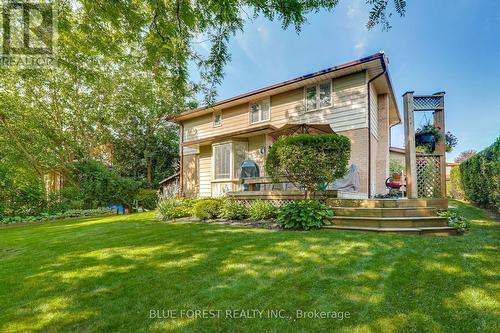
<point>232,176</point>
<point>318,101</point>
<point>260,102</point>
<point>217,113</point>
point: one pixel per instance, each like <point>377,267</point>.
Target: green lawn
<point>106,274</point>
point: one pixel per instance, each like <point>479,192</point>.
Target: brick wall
<point>359,153</point>
<point>382,156</point>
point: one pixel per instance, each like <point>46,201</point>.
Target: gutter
<point>384,66</point>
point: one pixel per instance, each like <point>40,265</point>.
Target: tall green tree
<point>122,68</point>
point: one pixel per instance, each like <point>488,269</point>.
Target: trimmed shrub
<point>207,208</point>
<point>309,161</point>
<point>233,210</point>
<point>175,208</point>
<point>304,215</point>
<point>147,198</point>
<point>481,177</point>
<point>262,210</point>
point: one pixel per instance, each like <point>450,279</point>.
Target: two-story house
<point>355,99</point>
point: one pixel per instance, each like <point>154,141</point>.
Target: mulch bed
<point>266,224</point>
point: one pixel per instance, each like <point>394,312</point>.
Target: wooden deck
<point>279,195</point>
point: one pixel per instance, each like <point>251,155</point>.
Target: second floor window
<point>217,119</point>
<point>318,96</point>
<point>260,111</point>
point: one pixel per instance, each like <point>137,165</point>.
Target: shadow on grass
<point>106,275</point>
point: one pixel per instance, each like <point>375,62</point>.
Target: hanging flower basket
<point>424,138</point>
<point>427,136</point>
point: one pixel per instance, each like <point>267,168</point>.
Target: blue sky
<point>440,45</point>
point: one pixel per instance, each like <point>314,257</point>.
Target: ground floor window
<point>227,159</point>
<point>222,161</point>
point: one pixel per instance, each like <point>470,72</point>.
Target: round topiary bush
<point>309,161</point>
<point>207,208</point>
<point>304,215</point>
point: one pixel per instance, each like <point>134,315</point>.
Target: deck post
<point>410,156</point>
<point>441,145</point>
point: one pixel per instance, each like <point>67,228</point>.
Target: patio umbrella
<point>290,129</point>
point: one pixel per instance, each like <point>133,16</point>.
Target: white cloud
<point>356,15</point>
<point>353,9</point>
<point>254,40</point>
<point>360,47</point>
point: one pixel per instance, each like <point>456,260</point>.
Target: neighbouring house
<point>397,154</point>
<point>169,187</point>
<point>355,99</point>
<point>449,166</point>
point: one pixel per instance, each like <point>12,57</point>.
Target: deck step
<point>390,222</point>
<point>389,203</point>
<point>439,231</point>
<point>434,231</point>
<point>385,212</point>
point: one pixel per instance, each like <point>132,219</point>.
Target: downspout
<point>384,67</point>
<point>181,169</point>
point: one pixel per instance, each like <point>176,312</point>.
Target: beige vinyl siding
<point>348,111</point>
<point>374,110</point>
<point>349,103</point>
<point>233,119</point>
<point>190,175</point>
<point>205,167</point>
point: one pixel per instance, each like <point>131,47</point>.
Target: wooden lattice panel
<point>428,176</point>
<point>275,202</point>
<point>428,103</point>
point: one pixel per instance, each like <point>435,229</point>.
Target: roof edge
<point>378,55</point>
